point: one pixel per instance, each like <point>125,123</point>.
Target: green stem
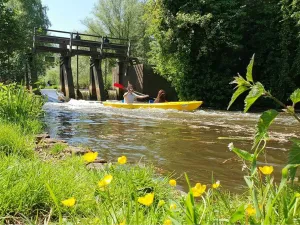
<point>112,206</point>
<point>283,105</point>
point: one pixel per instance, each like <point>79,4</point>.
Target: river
<point>173,141</point>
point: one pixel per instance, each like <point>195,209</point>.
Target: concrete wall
<point>144,80</point>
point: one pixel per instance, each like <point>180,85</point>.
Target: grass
<point>19,106</point>
<point>57,148</point>
<point>35,189</point>
<point>25,185</point>
<point>14,141</point>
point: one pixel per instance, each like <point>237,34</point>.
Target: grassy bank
<point>68,191</point>
<point>33,190</point>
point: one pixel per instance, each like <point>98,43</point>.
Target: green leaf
<point>191,213</point>
<point>264,122</point>
<point>237,93</point>
<point>240,81</point>
<point>249,182</point>
<point>256,91</point>
<point>249,70</point>
<point>295,96</point>
<point>242,153</point>
<point>237,215</point>
<point>284,175</point>
<point>255,203</point>
<point>294,156</point>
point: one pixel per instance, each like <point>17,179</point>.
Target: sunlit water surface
<point>174,141</point>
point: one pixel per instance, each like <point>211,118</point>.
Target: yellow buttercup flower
<point>250,211</point>
<point>122,160</point>
<point>69,202</point>
<point>173,206</point>
<point>266,170</point>
<point>147,199</point>
<point>90,156</point>
<point>105,181</point>
<point>123,222</point>
<point>161,203</point>
<point>198,190</point>
<point>168,222</point>
<point>172,183</point>
<point>216,185</point>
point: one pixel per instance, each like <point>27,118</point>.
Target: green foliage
<point>238,214</point>
<point>242,86</point>
<point>266,196</point>
<point>57,148</point>
<point>199,45</point>
<point>52,75</point>
<point>295,96</point>
<point>249,76</point>
<point>19,106</point>
<point>17,20</point>
<point>120,19</point>
<point>268,199</point>
<point>56,181</point>
<point>294,156</point>
<point>256,91</point>
<point>241,153</point>
<point>14,142</point>
<point>9,40</point>
<point>264,122</point>
<point>192,216</point>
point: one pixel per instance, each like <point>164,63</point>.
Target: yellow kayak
<point>186,106</point>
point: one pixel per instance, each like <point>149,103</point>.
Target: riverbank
<point>44,182</point>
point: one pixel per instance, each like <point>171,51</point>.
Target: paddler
<point>161,97</point>
<point>130,96</point>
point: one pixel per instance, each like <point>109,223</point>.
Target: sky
<point>66,15</point>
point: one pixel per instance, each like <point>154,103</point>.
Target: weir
<point>69,44</point>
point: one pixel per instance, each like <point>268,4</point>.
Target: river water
<point>173,141</point>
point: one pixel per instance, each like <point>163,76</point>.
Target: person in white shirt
<point>130,96</point>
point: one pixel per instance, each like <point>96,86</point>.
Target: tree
<point>193,43</point>
<point>19,19</point>
<point>9,30</point>
<point>200,45</point>
<point>120,19</point>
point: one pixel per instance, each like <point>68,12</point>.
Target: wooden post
<point>61,76</point>
<point>66,78</point>
<point>27,81</point>
<point>32,78</point>
<point>65,73</point>
<point>96,87</point>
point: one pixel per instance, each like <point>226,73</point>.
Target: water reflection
<point>171,140</point>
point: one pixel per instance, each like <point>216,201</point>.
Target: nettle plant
<point>269,203</point>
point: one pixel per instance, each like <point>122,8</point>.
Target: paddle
<point>122,87</point>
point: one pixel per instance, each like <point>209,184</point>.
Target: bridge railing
<point>75,43</point>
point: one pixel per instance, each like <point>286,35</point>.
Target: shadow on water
<point>174,141</point>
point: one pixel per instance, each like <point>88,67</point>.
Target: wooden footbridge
<point>69,44</point>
